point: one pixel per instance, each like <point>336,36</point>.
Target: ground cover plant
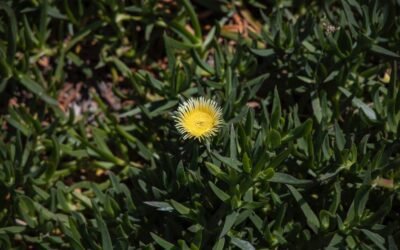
<point>291,140</point>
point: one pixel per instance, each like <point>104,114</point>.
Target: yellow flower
<point>385,78</point>
<point>198,118</point>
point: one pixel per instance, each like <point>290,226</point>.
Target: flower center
<point>199,122</point>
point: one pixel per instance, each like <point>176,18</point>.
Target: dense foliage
<point>308,156</point>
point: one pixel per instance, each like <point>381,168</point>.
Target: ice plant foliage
<point>198,118</point>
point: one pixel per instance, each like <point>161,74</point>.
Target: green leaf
<point>5,72</point>
<point>379,214</point>
<point>344,42</point>
<point>277,161</point>
<point>163,243</point>
<point>340,140</point>
<point>72,234</point>
<point>274,138</point>
<point>219,245</point>
<point>228,161</point>
<point>249,125</point>
<point>26,209</point>
<point>324,217</point>
<point>232,143</point>
<point>12,32</point>
<point>201,63</point>
<point>58,76</point>
<point>87,30</point>
<point>370,113</point>
<point>262,52</point>
<point>276,110</point>
<point>173,43</point>
<point>242,244</point>
<point>162,107</point>
<point>300,131</point>
<point>37,89</point>
<point>180,208</point>
<point>257,81</point>
<point>182,31</point>
<point>392,243</point>
<point>336,242</point>
<point>378,240</point>
<point>43,22</point>
<point>162,206</point>
<point>12,229</point>
<point>316,105</point>
<point>105,235</point>
<point>336,199</point>
<point>267,174</point>
<point>247,165</point>
<point>229,222</point>
<point>288,179</point>
<point>217,172</point>
<point>349,15</point>
<point>357,207</point>
<point>55,158</point>
<point>218,192</point>
<point>17,121</point>
<point>61,198</point>
<point>380,50</point>
<point>193,17</point>
<point>312,219</point>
